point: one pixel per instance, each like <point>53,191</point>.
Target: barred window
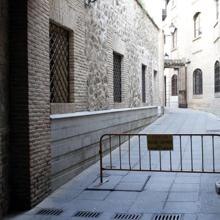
<point>197,25</point>
<point>117,59</point>
<point>197,82</point>
<point>217,76</point>
<point>59,64</point>
<point>143,83</point>
<point>174,85</point>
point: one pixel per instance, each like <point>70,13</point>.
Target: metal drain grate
<point>167,217</point>
<point>127,216</point>
<point>49,211</point>
<point>87,214</point>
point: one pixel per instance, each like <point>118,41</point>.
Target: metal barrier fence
<point>191,153</point>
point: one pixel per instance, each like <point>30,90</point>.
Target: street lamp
<point>172,28</point>
<point>166,56</point>
<point>89,2</point>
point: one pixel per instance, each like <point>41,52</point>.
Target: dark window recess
<point>143,83</point>
<point>174,39</point>
<point>174,85</point>
<point>197,27</point>
<point>197,82</point>
<point>117,76</point>
<point>217,76</point>
<point>59,64</point>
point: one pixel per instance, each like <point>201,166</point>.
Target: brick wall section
<point>39,99</point>
<point>29,72</point>
<point>4,128</point>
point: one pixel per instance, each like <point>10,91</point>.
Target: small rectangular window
<point>217,76</point>
<point>217,8</point>
<point>117,60</point>
<point>143,83</point>
<point>59,64</point>
<point>174,39</point>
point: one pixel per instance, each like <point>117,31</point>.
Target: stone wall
<point>4,128</point>
<point>39,100</point>
<point>107,26</point>
<point>75,137</point>
<point>96,32</point>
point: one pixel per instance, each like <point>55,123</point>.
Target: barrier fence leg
<point>101,170</point>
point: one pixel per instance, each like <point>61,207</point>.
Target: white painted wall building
<point>196,42</point>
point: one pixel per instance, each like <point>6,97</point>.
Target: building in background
<point>73,72</point>
<point>192,42</point>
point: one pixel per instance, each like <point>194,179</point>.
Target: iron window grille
<point>59,64</point>
<point>217,76</point>
<point>117,60</point>
<point>174,85</point>
<point>143,83</point>
<point>197,82</point>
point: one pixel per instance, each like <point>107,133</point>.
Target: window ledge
<point>216,23</point>
<point>197,38</point>
<point>173,7</point>
<point>174,49</point>
<point>194,1</point>
<point>197,96</point>
<point>217,94</point>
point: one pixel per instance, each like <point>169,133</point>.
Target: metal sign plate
<point>160,142</point>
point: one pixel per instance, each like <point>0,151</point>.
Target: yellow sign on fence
<point>160,142</point>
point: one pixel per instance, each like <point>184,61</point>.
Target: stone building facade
<point>49,141</point>
<point>197,46</point>
<point>96,31</point>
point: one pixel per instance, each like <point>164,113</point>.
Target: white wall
<point>201,52</point>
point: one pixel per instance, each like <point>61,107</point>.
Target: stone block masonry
<point>75,137</point>
<point>96,32</point>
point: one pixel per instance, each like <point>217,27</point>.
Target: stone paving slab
<point>182,207</point>
<point>185,187</point>
<point>183,197</point>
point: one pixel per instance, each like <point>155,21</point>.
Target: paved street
<point>148,193</point>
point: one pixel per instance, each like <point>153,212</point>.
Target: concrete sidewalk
<point>142,194</point>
